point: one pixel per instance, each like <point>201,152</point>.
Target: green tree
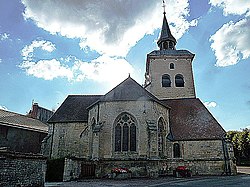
<point>241,144</point>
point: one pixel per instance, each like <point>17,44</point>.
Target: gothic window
<point>179,81</point>
<point>125,133</point>
<point>161,137</point>
<point>171,66</point>
<point>166,82</point>
<point>177,151</point>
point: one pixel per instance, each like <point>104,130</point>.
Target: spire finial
<point>164,7</point>
<point>166,40</point>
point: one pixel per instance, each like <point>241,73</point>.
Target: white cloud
<point>211,104</point>
<point>3,107</point>
<point>1,60</point>
<point>103,69</point>
<point>231,42</point>
<point>4,36</point>
<point>232,6</point>
<point>109,27</point>
<point>27,51</point>
<point>47,69</point>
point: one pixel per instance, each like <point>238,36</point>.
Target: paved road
<point>242,180</point>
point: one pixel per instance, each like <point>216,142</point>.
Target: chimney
<point>34,111</point>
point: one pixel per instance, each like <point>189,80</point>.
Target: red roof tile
<point>190,120</point>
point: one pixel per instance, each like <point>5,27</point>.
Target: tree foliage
<point>241,144</point>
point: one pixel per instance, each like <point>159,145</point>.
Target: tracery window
<point>179,80</point>
<point>161,137</point>
<point>166,82</point>
<point>125,133</point>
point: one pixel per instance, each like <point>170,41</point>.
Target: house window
<point>166,82</point>
<point>171,66</point>
<point>179,81</point>
<point>125,133</point>
<point>3,132</point>
<point>177,151</point>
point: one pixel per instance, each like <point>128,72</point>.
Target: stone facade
<point>69,140</point>
<point>145,113</point>
<point>19,169</point>
<point>160,65</point>
<point>148,130</point>
<point>204,157</point>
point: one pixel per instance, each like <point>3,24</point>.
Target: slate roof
<point>172,53</point>
<point>15,120</point>
<point>129,90</point>
<point>74,109</point>
<point>190,120</point>
<point>165,32</point>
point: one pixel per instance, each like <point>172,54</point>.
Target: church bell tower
<point>169,72</point>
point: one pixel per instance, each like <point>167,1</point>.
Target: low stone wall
<point>21,169</point>
<point>73,168</point>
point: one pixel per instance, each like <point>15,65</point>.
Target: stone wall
<point>138,168</point>
<point>70,139</point>
<point>160,65</point>
<point>204,157</point>
<point>144,112</point>
<point>20,169</point>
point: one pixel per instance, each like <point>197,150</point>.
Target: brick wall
<point>20,169</point>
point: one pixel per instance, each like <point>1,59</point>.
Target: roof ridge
<point>14,113</point>
<point>76,95</point>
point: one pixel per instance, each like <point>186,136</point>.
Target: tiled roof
<point>21,121</point>
<point>190,120</point>
<point>74,109</point>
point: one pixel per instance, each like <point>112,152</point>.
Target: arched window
<point>171,65</point>
<point>166,82</point>
<point>179,81</point>
<point>177,151</point>
<point>125,133</point>
<point>161,137</point>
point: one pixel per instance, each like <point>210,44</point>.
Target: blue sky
<point>50,49</point>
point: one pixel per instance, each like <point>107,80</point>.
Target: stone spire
<point>166,40</point>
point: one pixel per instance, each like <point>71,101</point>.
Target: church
<point>150,130</point>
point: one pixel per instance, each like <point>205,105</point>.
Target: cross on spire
<point>164,7</point>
